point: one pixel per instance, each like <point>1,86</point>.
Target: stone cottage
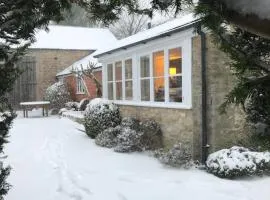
<point>177,77</point>
<point>52,52</point>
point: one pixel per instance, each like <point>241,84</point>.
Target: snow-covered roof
<point>75,38</point>
<point>80,63</point>
<point>149,34</point>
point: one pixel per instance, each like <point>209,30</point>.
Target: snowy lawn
<point>53,160</point>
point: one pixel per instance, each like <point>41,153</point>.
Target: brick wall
<point>70,80</point>
<point>49,62</point>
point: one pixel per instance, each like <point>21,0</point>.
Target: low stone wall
<point>76,116</point>
<point>176,124</point>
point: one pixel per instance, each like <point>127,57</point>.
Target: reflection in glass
<point>128,89</point>
<point>159,89</point>
<point>144,66</point>
<point>145,90</point>
<point>158,64</point>
<point>110,72</point>
<point>128,69</point>
<point>110,91</point>
<point>175,89</point>
<point>118,90</point>
<point>118,71</point>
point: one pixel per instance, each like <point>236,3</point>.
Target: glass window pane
<point>175,61</point>
<point>118,90</point>
<point>128,69</point>
<point>145,90</point>
<point>158,64</point>
<point>128,88</point>
<point>144,64</point>
<point>110,72</point>
<point>110,91</point>
<point>118,71</point>
<point>175,92</point>
<point>159,89</point>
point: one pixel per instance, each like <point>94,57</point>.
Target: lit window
<point>80,85</point>
<point>156,79</point>
<point>158,76</point>
<point>145,78</point>
<point>175,75</point>
<point>128,79</point>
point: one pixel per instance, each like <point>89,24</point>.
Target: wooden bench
<point>33,104</point>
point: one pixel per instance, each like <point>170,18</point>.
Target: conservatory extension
<point>177,77</point>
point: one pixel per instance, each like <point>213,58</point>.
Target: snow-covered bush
<point>138,136</point>
<point>237,161</point>
<point>131,135</point>
<point>131,123</point>
<point>129,140</point>
<point>100,115</point>
<point>83,104</point>
<point>72,105</point>
<point>58,95</point>
<point>62,110</point>
<point>108,138</point>
<point>178,156</point>
<point>152,136</point>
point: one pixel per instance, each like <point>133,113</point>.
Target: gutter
<point>204,135</point>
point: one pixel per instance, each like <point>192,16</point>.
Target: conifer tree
<point>19,20</point>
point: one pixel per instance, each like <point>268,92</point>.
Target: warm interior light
<point>172,70</point>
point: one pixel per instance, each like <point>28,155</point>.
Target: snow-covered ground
<point>53,159</point>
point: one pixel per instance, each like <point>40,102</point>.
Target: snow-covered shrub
<point>178,156</point>
<point>72,105</point>
<point>237,161</point>
<point>108,138</point>
<point>62,110</point>
<point>131,122</point>
<point>83,104</point>
<point>152,136</point>
<point>58,95</point>
<point>100,115</point>
<point>129,140</point>
<point>6,118</point>
<point>138,136</point>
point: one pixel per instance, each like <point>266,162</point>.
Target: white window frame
<point>125,80</point>
<point>186,48</point>
<point>105,73</point>
<point>80,88</point>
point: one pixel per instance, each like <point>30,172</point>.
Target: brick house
<point>177,77</point>
<point>81,87</point>
<point>52,52</point>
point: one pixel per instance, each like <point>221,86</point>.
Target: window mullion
<point>123,80</point>
<point>136,78</point>
<point>114,83</point>
<point>151,78</point>
<point>166,75</point>
<point>105,81</point>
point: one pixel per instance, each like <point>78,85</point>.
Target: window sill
<point>152,104</point>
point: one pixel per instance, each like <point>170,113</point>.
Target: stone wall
<point>176,124</point>
<point>224,130</point>
<point>51,61</point>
